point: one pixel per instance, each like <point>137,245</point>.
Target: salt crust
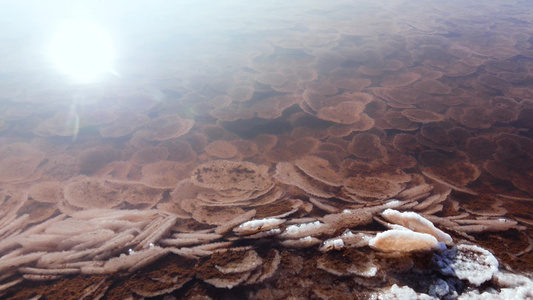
<point>477,269</point>
<point>396,292</point>
<point>302,230</point>
<point>468,262</point>
<point>512,286</point>
<point>255,226</point>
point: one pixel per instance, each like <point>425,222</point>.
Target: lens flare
<point>82,50</point>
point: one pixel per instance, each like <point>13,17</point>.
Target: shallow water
<point>334,106</point>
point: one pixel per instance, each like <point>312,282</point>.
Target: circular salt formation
<point>46,192</point>
<point>322,88</point>
<point>287,174</point>
<point>341,130</point>
<point>230,268</point>
<point>245,148</point>
<point>404,96</point>
<point>92,159</point>
<point>352,84</point>
<point>459,51</point>
<point>87,192</point>
<point>241,93</point>
<point>164,173</point>
<point>396,120</point>
<point>503,115</point>
<point>94,116</point>
<point>343,113</point>
<point>376,67</point>
<point>492,82</point>
<point>302,146</point>
<point>480,148</point>
<point>221,149</point>
<point>312,100</point>
<point>138,194</point>
<point>348,263</point>
<point>373,187</point>
<point>503,102</point>
<point>406,143</point>
<point>476,117</point>
<point>214,132</point>
<point>422,116</point>
<point>458,174</point>
<point>266,142</point>
<point>127,122</point>
<point>271,78</point>
<point>319,169</point>
<point>61,124</point>
<point>220,101</point>
<point>232,113</point>
<point>180,151</point>
<point>272,108</point>
<point>435,133</point>
<point>398,80</point>
<point>367,146</point>
<point>215,215</point>
<point>149,155</point>
<point>18,162</point>
<point>225,174</point>
<point>165,128</point>
<point>38,211</point>
<point>432,87</point>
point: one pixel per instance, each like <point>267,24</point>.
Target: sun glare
<point>83,50</point>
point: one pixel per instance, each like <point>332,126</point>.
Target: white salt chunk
<point>404,241</point>
<point>417,223</point>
